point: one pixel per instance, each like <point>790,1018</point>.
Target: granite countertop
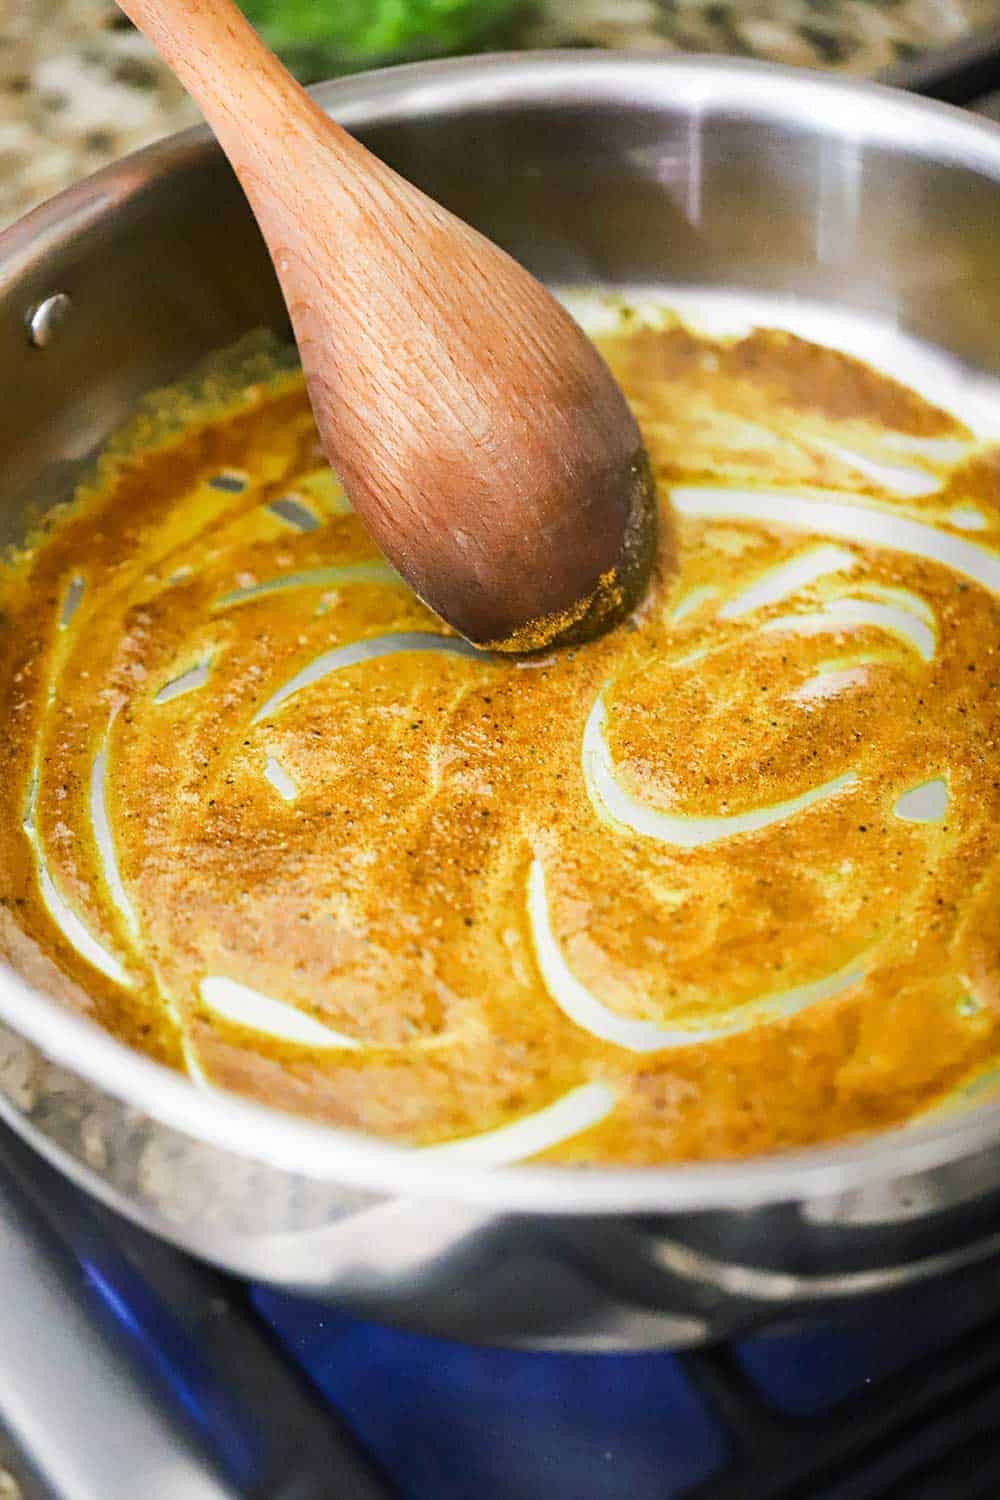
<point>79,87</point>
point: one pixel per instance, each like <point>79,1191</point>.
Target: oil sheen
<point>721,883</point>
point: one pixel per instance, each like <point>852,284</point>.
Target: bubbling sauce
<point>723,882</point>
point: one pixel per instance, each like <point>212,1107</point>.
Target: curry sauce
<point>722,882</point>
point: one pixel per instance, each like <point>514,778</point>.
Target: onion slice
<point>614,804</point>
<point>570,1115</point>
<point>367,650</point>
<point>248,1007</point>
<point>787,578</point>
<point>826,511</point>
<point>585,1010</point>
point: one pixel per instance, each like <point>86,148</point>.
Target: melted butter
<point>720,883</point>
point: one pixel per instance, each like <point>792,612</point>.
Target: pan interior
<point>718,885</point>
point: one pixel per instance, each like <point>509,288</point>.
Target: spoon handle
<point>247,95</point>
<point>479,435</point>
<point>344,231</point>
<point>289,155</point>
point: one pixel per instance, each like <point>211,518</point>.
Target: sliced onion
<point>826,511</point>
<point>842,614</point>
<point>611,800</point>
<point>72,926</point>
<point>247,1007</point>
<point>187,682</point>
<point>367,650</point>
<point>830,683</point>
<point>913,603</point>
<point>927,803</point>
<point>903,479</point>
<point>294,513</point>
<point>284,784</point>
<point>108,857</point>
<point>570,1115</point>
<point>788,578</point>
<point>313,578</point>
<point>104,838</point>
<point>585,1010</point>
<point>967,518</point>
<point>692,601</point>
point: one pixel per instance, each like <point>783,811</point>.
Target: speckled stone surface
<point>78,87</point>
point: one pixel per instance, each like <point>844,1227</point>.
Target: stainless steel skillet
<point>596,168</point>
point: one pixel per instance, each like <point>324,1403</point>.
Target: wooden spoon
<point>476,430</point>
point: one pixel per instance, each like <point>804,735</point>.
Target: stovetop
<point>127,1370</point>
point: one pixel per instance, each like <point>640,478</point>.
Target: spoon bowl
<point>477,431</point>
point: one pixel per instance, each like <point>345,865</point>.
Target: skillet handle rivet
<point>46,318</point>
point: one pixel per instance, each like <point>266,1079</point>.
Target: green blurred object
<point>320,37</point>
